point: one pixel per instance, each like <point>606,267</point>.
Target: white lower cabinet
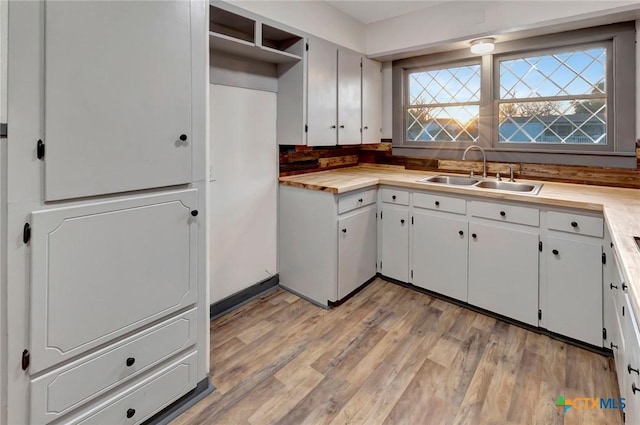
<point>60,391</point>
<point>143,398</point>
<point>503,270</point>
<point>574,282</point>
<point>394,261</point>
<point>95,265</point>
<point>440,253</point>
<point>356,249</point>
<point>327,242</point>
<point>629,368</point>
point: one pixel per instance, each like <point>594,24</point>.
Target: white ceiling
<point>368,12</point>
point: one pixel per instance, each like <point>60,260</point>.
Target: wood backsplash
<point>303,159</point>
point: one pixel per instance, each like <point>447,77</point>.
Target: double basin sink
<point>530,188</point>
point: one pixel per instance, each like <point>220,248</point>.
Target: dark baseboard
<point>568,340</point>
<point>234,301</point>
<point>203,389</point>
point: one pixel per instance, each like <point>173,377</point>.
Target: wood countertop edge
<point>616,207</point>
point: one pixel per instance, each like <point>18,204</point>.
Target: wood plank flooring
<point>391,355</point>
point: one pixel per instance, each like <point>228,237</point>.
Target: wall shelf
<point>245,37</point>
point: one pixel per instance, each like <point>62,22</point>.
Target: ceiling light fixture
<point>482,46</point>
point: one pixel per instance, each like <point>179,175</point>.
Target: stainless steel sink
<point>451,180</point>
<point>532,188</point>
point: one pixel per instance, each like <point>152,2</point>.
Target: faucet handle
<point>471,173</point>
<point>498,177</point>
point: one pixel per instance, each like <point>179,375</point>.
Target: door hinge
<point>540,246</point>
<point>306,46</point>
<point>380,265</point>
<point>40,150</point>
<point>411,274</point>
<point>604,333</point>
<point>376,215</point>
<point>604,258</point>
<point>26,359</point>
<point>380,215</point>
<point>411,223</point>
<point>539,314</point>
<point>623,310</point>
<point>26,233</point>
<point>306,128</point>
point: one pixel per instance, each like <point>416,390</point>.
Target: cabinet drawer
<point>506,213</point>
<point>351,202</point>
<point>576,223</point>
<point>58,392</point>
<point>393,196</point>
<point>144,398</point>
<point>440,203</point>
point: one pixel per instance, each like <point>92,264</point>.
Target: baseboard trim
<point>599,350</point>
<point>238,299</point>
<point>177,408</point>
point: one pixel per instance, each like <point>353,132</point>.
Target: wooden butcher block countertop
<point>621,207</point>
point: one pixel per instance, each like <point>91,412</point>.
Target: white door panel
<point>574,294</point>
<point>349,98</point>
<point>104,269</point>
<point>503,271</point>
<point>322,93</point>
<point>117,97</point>
<point>371,101</point>
<point>440,250</point>
<point>356,250</point>
<point>395,243</point>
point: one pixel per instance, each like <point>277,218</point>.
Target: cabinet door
<point>101,270</point>
<point>574,294</point>
<point>394,261</point>
<point>356,250</point>
<point>440,249</point>
<point>371,101</point>
<point>349,98</point>
<point>322,93</point>
<point>503,271</point>
<point>117,97</point>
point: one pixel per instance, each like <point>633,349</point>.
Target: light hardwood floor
<point>391,355</point>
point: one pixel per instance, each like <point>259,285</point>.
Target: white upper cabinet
<point>117,100</point>
<point>371,101</point>
<point>343,98</point>
<point>349,97</point>
<point>322,94</point>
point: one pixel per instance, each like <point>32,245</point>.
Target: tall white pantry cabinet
<point>105,199</point>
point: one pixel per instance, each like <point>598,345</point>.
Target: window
<point>444,104</point>
<point>565,98</point>
<point>554,98</point>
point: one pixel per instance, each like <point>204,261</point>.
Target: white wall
<point>243,191</point>
<point>453,21</point>
<point>313,17</point>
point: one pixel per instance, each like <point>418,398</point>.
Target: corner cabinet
<point>327,242</point>
<point>341,92</point>
<point>573,254</point>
